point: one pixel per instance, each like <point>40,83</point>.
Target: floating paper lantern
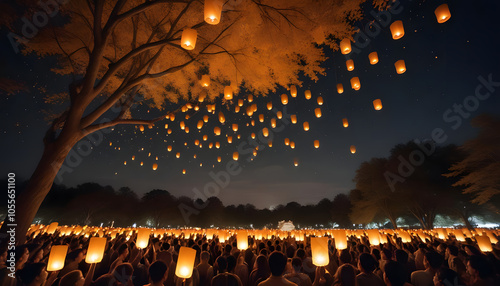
<point>484,243</point>
<point>217,130</point>
<point>353,149</point>
<point>340,239</point>
<point>261,117</point>
<point>400,66</point>
<point>242,241</point>
<point>228,92</point>
<point>205,80</point>
<point>306,126</point>
<point>205,137</point>
<point>296,162</point>
<point>293,91</point>
<point>284,99</point>
<point>188,39</point>
<point>345,46</point>
<point>265,132</point>
<point>442,13</point>
<point>200,124</point>
<point>320,100</point>
<point>219,159</point>
<point>350,65</point>
<point>182,125</point>
<point>287,141</point>
<point>229,139</point>
<point>185,262</point>
<point>373,57</point>
<point>316,144</point>
<point>273,122</point>
<point>319,251</point>
<point>169,148</point>
<point>373,236</point>
<point>307,94</point>
<point>292,144</point>
<point>142,237</point>
<point>240,102</point>
<point>183,171</point>
<point>355,84</point>
<point>340,88</point>
<point>95,252</point>
<point>52,228</point>
<point>279,114</point>
<point>235,156</point>
<point>250,98</point>
<point>377,104</point>
<point>169,131</point>
<point>222,118</point>
<point>235,127</point>
<point>293,118</point>
<point>459,235</point>
<point>217,145</point>
<point>213,11</point>
<point>397,30</point>
<point>252,135</point>
<point>178,155</point>
<point>141,128</point>
<point>270,143</point>
<point>57,257</point>
<point>125,163</point>
<point>317,112</point>
<point>155,166</point>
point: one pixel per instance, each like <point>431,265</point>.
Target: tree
<point>340,209</point>
<point>157,205</point>
<point>116,50</point>
<point>373,196</point>
<point>479,171</point>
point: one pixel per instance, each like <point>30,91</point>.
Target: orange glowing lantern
<point>185,262</point>
<point>345,123</point>
<point>319,251</point>
<point>284,99</point>
<point>205,118</point>
<point>317,112</point>
<point>340,88</point>
<point>350,65</point>
<point>261,117</point>
<point>178,155</point>
<point>155,166</point>
<point>377,104</point>
<point>279,114</point>
<point>340,239</point>
<point>143,237</point>
<point>219,159</point>
<point>235,156</point>
<point>353,149</point>
<point>242,240</point>
<point>229,139</point>
<point>292,144</point>
<point>188,39</point>
<point>269,105</point>
<point>141,128</point>
<point>320,100</point>
<point>296,162</point>
<point>397,30</point>
<point>442,13</point>
<point>169,148</point>
<point>287,141</point>
<point>307,94</point>
<point>345,46</point>
<point>373,57</point>
<point>95,252</point>
<point>265,132</point>
<point>250,98</point>
<point>52,228</point>
<point>183,171</point>
<point>293,118</point>
<point>306,126</point>
<point>400,66</point>
<point>484,243</point>
<point>217,130</point>
<point>205,80</point>
<point>273,122</point>
<point>293,91</point>
<point>228,92</point>
<point>57,257</point>
<point>316,144</point>
<point>213,11</point>
<point>355,84</point>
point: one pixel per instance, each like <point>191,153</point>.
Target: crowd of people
<point>269,262</point>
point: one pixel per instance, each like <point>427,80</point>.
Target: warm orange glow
<point>217,130</point>
<point>57,257</point>
<point>279,114</point>
<point>340,239</point>
<point>397,30</point>
<point>442,13</point>
<point>287,141</point>
<point>377,104</point>
<point>185,262</point>
<point>373,57</point>
<point>155,166</point>
<point>141,128</point>
<point>95,252</point>
<point>178,155</point>
<point>319,251</point>
<point>316,144</point>
<point>350,65</point>
<point>261,117</point>
<point>284,99</point>
<point>317,112</point>
<point>340,88</point>
<point>228,92</point>
<point>183,171</point>
<point>250,98</point>
<point>188,39</point>
<point>345,123</point>
<point>484,243</point>
<point>293,118</point>
<point>143,237</point>
<point>293,91</point>
<point>292,144</point>
<point>400,66</point>
<point>219,159</point>
<point>213,11</point>
<point>296,162</point>
<point>229,139</point>
<point>307,94</point>
<point>353,149</point>
<point>265,132</point>
<point>273,122</point>
<point>320,100</point>
<point>355,84</point>
<point>306,126</point>
<point>235,156</point>
<point>345,46</point>
<point>242,240</point>
<point>52,228</point>
<point>169,148</point>
<point>269,105</point>
<point>205,80</point>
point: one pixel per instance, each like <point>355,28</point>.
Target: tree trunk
<point>29,200</point>
<point>393,221</point>
<point>465,218</point>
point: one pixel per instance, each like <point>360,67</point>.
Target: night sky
<point>443,64</point>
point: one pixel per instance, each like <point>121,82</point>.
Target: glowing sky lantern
<point>340,88</point>
<point>222,118</point>
<point>182,125</point>
<point>397,30</point>
<point>293,91</point>
<point>219,159</point>
<point>125,163</point>
<point>185,262</point>
<point>217,145</point>
<point>273,122</point>
<point>284,99</point>
<point>236,109</point>
<point>155,166</point>
<point>200,124</point>
<point>270,143</point>
<point>235,156</point>
<point>57,257</point>
<point>229,139</point>
<point>293,118</point>
<point>320,100</point>
<point>213,11</point>
<point>269,105</point>
<point>373,57</point>
<point>188,39</point>
<point>169,148</point>
<point>252,135</point>
<point>235,127</point>
<point>345,46</point>
<point>184,171</point>
<point>141,128</point>
<point>217,130</point>
<point>307,94</point>
<point>355,84</point>
<point>442,13</point>
<point>172,116</point>
<point>265,132</point>
<point>205,80</point>
<point>317,112</point>
<point>95,251</point>
<point>316,144</point>
<point>296,162</point>
<point>350,65</point>
<point>261,117</point>
<point>292,144</point>
<point>319,251</point>
<point>306,126</point>
<point>377,104</point>
<point>178,155</point>
<point>250,98</point>
<point>210,145</point>
<point>205,137</point>
<point>242,240</point>
<point>287,141</point>
<point>484,243</point>
<point>400,66</point>
<point>169,131</point>
<point>249,110</point>
<point>353,149</point>
<point>279,114</point>
<point>340,239</point>
<point>228,92</point>
<point>52,228</point>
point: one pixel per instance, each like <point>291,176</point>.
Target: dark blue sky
<point>443,64</point>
